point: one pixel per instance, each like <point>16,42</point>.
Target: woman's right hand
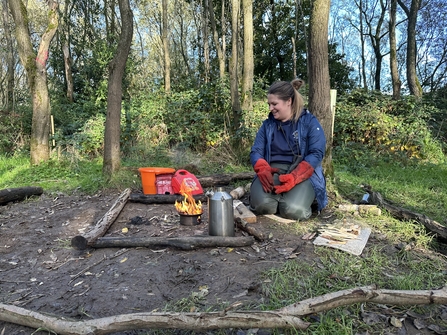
<point>265,174</point>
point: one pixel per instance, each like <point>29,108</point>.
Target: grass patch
<point>417,187</point>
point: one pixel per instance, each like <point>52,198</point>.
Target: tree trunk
<point>223,38</point>
<point>36,71</point>
<point>362,42</point>
<point>248,67</point>
<point>294,56</point>
<point>220,55</point>
<point>9,94</point>
<point>166,54</point>
<point>206,47</point>
<point>318,68</point>
<point>396,83</point>
<point>117,67</point>
<point>376,38</point>
<point>412,79</point>
<point>234,78</point>
<point>67,67</point>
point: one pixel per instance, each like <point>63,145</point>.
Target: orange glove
<point>302,172</point>
<point>265,174</point>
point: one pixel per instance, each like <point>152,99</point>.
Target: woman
<point>286,156</point>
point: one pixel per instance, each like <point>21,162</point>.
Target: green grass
<point>420,187</point>
<point>417,186</point>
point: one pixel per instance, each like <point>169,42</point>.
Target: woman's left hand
<point>302,172</point>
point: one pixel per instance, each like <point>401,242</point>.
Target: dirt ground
<point>40,271</point>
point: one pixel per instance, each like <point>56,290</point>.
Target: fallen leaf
<point>419,324</point>
<point>396,322</point>
<point>123,260</point>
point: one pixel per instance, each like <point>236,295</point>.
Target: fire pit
<point>190,220</point>
<point>188,209</point>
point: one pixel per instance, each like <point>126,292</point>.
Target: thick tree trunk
<point>396,83</point>
<point>412,79</point>
<point>36,71</point>
<point>117,66</point>
<point>318,68</point>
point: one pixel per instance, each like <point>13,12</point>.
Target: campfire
<point>189,207</point>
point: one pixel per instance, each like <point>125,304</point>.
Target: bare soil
<point>40,271</point>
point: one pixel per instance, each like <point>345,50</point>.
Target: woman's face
<point>281,110</point>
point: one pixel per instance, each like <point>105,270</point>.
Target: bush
<point>375,121</point>
<point>15,130</point>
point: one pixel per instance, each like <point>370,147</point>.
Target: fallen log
<point>163,198</point>
<point>405,214</point>
<point>224,179</point>
<point>284,318</point>
<point>101,227</point>
<point>19,193</point>
<point>245,226</point>
<point>185,243</point>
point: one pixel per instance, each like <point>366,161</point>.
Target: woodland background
<point>127,80</point>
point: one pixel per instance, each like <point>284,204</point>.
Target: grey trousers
<point>295,204</point>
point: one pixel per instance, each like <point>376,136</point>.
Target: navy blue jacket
<point>312,143</point>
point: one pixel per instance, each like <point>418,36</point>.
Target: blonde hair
<point>285,90</point>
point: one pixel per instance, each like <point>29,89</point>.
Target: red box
<point>163,182</point>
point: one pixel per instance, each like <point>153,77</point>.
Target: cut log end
<point>79,242</point>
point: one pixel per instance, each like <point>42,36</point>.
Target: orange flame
<point>188,206</point>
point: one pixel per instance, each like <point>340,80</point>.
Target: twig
<point>86,269</point>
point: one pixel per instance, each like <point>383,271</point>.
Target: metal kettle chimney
<point>221,217</point>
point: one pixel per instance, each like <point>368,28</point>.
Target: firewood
<point>245,226</point>
<point>101,227</point>
<point>238,192</point>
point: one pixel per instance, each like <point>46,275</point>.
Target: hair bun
<point>297,83</point>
